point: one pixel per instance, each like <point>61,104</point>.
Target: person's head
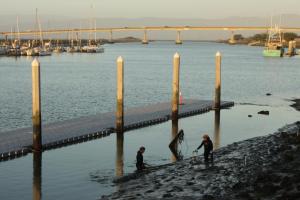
<point>205,137</point>
<point>142,149</point>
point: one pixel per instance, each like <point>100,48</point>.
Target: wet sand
<point>266,167</point>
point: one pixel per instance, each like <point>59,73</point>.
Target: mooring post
<point>120,94</point>
<point>217,103</point>
<point>175,85</point>
<point>36,106</point>
<point>175,101</point>
<point>120,117</point>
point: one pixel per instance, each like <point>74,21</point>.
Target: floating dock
<point>18,142</point>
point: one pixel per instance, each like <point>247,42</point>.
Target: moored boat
<point>93,49</point>
<point>274,46</point>
<point>3,50</point>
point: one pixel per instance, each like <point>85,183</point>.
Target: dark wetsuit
<point>139,161</point>
<point>208,147</point>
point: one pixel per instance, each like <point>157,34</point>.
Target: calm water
<point>84,84</point>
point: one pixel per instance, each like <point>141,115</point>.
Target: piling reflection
<point>174,143</point>
<point>217,129</point>
<point>37,176</point>
<point>120,155</point>
<point>176,139</point>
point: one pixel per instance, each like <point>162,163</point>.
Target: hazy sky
<point>152,8</point>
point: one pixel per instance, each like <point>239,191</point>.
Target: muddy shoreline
<point>266,167</point>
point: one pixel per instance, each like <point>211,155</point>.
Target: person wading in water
<point>208,147</point>
<point>140,165</point>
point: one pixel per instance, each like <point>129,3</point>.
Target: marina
<point>73,92</point>
<point>86,98</point>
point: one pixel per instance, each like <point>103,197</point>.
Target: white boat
<point>58,49</point>
<point>44,52</point>
<point>31,52</point>
<point>93,49</point>
<point>73,49</point>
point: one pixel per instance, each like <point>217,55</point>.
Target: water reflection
<point>120,155</point>
<point>174,145</point>
<point>176,139</point>
<point>217,129</point>
<point>37,176</point>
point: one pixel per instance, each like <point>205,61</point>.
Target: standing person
<point>140,165</point>
<point>208,147</point>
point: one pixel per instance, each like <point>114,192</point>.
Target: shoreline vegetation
<point>266,167</point>
<point>260,39</point>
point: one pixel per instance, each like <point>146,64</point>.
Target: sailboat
<point>93,47</point>
<point>42,49</point>
<point>274,46</point>
<point>14,48</point>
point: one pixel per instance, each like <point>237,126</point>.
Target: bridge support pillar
<point>178,38</point>
<point>111,40</point>
<point>145,39</point>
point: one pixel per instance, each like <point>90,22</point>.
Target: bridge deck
<point>151,28</point>
<point>19,142</point>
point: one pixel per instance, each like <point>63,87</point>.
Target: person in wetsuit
<point>140,165</point>
<point>208,147</point>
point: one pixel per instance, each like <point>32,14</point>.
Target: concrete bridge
<point>146,29</point>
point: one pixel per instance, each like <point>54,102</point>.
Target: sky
<point>208,9</point>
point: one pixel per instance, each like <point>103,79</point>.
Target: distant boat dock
<point>19,142</point>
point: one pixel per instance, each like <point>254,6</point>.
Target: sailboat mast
<point>18,29</point>
<point>36,25</point>
<point>95,24</point>
<point>11,35</point>
<point>40,27</point>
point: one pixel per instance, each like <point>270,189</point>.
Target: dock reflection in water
<point>37,176</point>
<point>217,129</point>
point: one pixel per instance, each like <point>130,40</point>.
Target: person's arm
<point>200,145</point>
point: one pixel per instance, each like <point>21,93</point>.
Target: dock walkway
<point>18,142</point>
